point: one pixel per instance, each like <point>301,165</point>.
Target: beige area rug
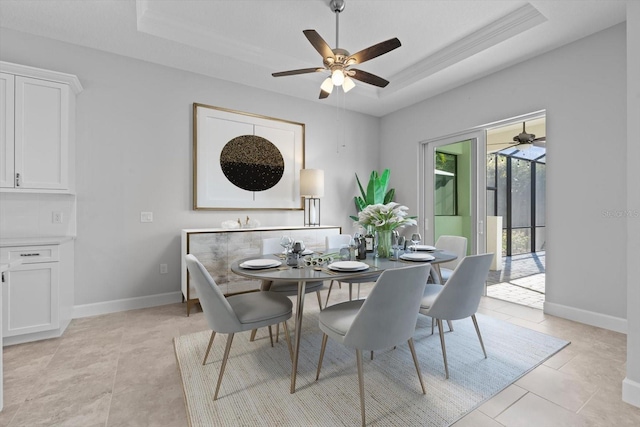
<point>255,387</point>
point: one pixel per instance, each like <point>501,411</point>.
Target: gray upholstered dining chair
<point>455,244</point>
<point>333,242</point>
<point>458,298</point>
<point>236,313</point>
<point>386,318</point>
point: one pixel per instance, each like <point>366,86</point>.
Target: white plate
<point>260,263</point>
<point>306,252</point>
<point>423,247</point>
<point>417,256</point>
<point>348,266</point>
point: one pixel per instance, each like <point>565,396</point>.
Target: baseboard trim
<point>631,392</point>
<point>36,336</point>
<point>592,318</point>
<point>115,306</point>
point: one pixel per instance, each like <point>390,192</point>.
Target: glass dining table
<point>306,274</point>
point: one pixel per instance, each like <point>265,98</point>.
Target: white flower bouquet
<point>385,217</point>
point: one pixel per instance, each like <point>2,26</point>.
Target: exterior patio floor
<point>521,280</point>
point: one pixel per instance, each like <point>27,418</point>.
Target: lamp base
<point>311,212</point>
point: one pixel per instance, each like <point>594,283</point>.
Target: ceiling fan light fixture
<point>327,85</point>
<point>337,76</point>
<point>348,84</point>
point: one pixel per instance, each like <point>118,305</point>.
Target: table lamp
<point>311,188</point>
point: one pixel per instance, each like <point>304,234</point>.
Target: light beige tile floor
<point>120,370</point>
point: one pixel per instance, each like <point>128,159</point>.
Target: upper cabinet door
<point>7,177</point>
<point>41,134</point>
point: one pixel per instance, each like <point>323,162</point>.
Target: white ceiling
<point>444,43</point>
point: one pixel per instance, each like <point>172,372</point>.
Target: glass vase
<point>384,246</point>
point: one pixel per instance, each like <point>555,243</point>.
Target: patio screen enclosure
<point>516,184</point>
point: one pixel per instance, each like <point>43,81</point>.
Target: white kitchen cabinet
<point>38,128</point>
<point>31,292</point>
<point>37,295</point>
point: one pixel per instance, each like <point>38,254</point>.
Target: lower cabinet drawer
<point>30,254</point>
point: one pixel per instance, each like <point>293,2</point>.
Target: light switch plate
<point>146,216</point>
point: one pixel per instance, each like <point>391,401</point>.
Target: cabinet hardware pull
<point>18,179</point>
<point>35,254</point>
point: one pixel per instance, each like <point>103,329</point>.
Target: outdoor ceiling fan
<point>525,140</point>
<point>339,61</point>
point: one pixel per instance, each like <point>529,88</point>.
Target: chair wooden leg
<point>361,384</point>
<point>450,324</point>
<point>319,300</point>
<point>224,364</point>
<point>350,292</point>
<point>322,348</point>
<point>444,349</point>
<point>288,338</point>
<point>271,335</point>
<point>329,293</point>
<point>277,331</point>
<point>253,335</point>
<point>433,321</point>
<point>415,362</point>
<point>475,323</point>
<point>213,335</point>
<point>371,354</point>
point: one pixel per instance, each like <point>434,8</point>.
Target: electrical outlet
<point>56,217</point>
<point>146,216</point>
<point>163,269</point>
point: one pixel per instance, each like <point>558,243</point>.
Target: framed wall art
<point>245,161</point>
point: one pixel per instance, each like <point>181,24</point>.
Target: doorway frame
<point>426,192</point>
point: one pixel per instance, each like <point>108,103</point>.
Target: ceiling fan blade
<point>369,78</point>
<point>294,72</point>
<point>319,44</point>
<point>375,50</point>
<point>323,94</point>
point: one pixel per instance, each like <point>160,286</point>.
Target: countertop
<point>35,241</point>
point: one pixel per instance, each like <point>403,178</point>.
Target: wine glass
<point>286,242</point>
<point>415,239</point>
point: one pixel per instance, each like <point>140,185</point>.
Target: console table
<point>218,248</point>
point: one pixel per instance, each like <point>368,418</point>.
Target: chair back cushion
<point>389,314</point>
<point>461,294</point>
<point>271,245</point>
<point>455,244</point>
<point>336,240</point>
<point>220,316</point>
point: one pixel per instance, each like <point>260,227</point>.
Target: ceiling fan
<point>524,140</point>
<point>339,61</point>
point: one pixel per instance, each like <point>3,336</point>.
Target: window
<point>446,194</point>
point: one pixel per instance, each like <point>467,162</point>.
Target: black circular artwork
<point>252,163</point>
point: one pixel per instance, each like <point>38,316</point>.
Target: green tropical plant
<point>376,193</point>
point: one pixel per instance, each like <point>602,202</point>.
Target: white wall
<point>631,385</point>
<point>134,153</point>
<point>582,87</point>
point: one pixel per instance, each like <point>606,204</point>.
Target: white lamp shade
<point>311,182</point>
<point>327,85</point>
<point>348,84</point>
